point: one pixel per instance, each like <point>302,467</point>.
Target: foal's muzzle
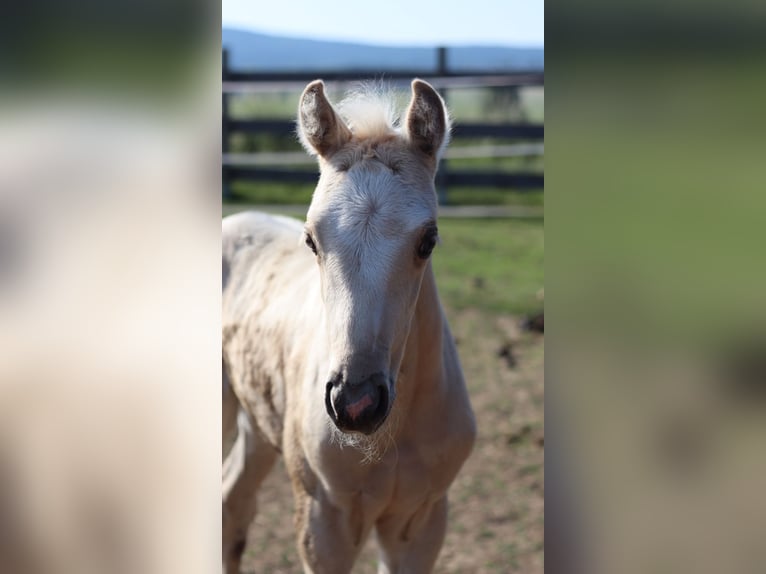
<point>358,407</point>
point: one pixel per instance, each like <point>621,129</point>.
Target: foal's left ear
<point>428,122</point>
<point>320,128</point>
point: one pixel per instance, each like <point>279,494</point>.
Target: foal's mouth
<point>361,407</point>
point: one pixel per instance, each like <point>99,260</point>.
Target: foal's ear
<point>428,122</point>
<point>320,128</point>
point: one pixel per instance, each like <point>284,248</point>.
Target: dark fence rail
<point>459,130</point>
<point>512,78</point>
<point>515,180</point>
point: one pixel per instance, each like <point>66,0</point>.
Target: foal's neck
<point>428,311</point>
<point>423,354</point>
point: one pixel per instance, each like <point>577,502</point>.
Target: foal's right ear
<point>428,123</point>
<point>321,130</point>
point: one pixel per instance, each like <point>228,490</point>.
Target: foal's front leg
<point>411,544</point>
<point>245,467</point>
<point>329,537</point>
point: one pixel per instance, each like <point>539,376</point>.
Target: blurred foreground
<point>109,297</point>
<point>656,374</point>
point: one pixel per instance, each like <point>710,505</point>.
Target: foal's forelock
<point>371,111</point>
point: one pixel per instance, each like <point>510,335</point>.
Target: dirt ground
<point>496,503</point>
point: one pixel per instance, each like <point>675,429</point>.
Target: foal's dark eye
<point>428,242</point>
<point>310,243</point>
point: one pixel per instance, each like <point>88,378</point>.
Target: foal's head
<point>372,227</point>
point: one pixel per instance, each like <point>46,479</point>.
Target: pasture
<point>489,273</point>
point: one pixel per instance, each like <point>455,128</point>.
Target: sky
<point>394,22</point>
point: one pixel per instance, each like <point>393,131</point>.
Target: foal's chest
<point>404,478</point>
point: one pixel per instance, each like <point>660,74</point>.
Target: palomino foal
<point>336,351</point>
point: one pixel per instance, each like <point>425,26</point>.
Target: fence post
<point>441,173</point>
<point>225,184</point>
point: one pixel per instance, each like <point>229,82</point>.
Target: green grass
<point>244,191</point>
<point>490,265</point>
<point>502,105</point>
<point>525,163</point>
<point>466,104</point>
<point>265,105</point>
<point>493,196</point>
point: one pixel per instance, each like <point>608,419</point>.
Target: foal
<point>336,351</point>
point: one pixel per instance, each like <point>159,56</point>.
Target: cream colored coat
<point>366,302</point>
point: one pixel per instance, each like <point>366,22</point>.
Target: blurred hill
<point>253,51</point>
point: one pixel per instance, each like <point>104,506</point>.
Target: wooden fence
<point>277,167</point>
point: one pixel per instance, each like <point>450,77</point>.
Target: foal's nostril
<point>382,409</point>
<point>328,403</point>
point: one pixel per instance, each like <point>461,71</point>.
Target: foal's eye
<point>428,242</point>
<point>310,243</point>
